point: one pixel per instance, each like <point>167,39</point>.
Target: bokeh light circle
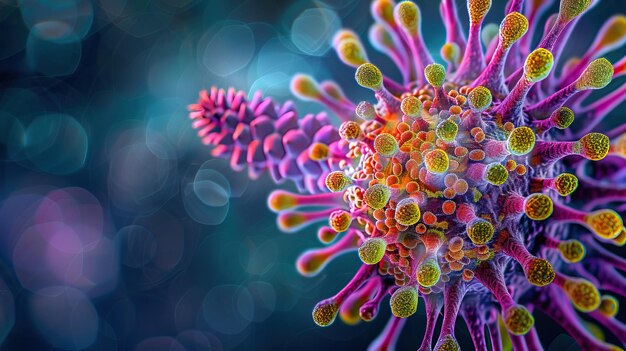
<point>56,143</point>
<point>229,50</point>
<point>313,29</point>
<point>211,187</point>
<point>228,309</point>
<point>67,17</point>
<point>12,136</point>
<point>53,58</point>
<point>263,297</point>
<point>65,317</point>
<point>137,246</point>
<point>141,180</point>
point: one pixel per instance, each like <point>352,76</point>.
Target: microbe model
<point>486,186</point>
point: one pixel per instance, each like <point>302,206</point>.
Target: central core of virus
<point>465,186</point>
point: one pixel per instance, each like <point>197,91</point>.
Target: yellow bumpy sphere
<point>386,145</point>
<point>447,130</point>
<point>538,65</point>
<point>376,196</point>
<point>344,34</point>
<point>447,343</point>
<point>372,250</point>
<point>280,200</point>
<point>480,231</point>
<point>512,28</point>
<point>583,294</point>
<point>305,87</point>
<point>479,98</point>
<point>365,111</point>
<point>437,161</point>
<point>318,151</point>
<point>403,302</point>
<point>435,74</point>
<point>407,212</point>
<point>539,272</point>
<point>351,52</point>
<point>521,141</point>
<point>428,273</point>
<point>496,174</point>
<point>570,9</point>
<point>594,146</point>
<point>450,52</point>
<point>609,306</point>
<point>538,207</point>
<point>478,9</point>
<point>407,14</point>
<point>572,251</point>
<point>518,320</point>
<point>383,10</point>
<point>350,131</point>
<point>566,184</point>
<point>337,181</point>
<point>563,117</point>
<point>324,312</point>
<point>340,220</point>
<point>615,31</point>
<point>369,76</point>
<point>597,75</point>
<point>411,106</point>
<point>606,224</point>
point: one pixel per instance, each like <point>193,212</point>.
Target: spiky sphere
<point>458,182</point>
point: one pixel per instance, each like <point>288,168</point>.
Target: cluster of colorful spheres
<point>477,185</point>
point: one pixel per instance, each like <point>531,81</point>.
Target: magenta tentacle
<point>511,107</point>
<point>494,331</point>
<point>311,262</point>
<point>433,308</point>
<point>555,100</point>
<point>597,111</point>
<point>514,6</point>
<point>532,340</point>
<point>451,19</point>
<point>493,76</point>
<point>597,251</point>
<point>564,315</point>
<point>453,296</point>
<point>389,336</point>
<point>534,10</point>
<point>492,279</point>
<point>475,325</point>
<point>549,152</point>
<point>473,61</point>
<point>617,328</point>
<point>518,343</point>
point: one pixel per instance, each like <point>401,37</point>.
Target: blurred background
<point>117,230</point>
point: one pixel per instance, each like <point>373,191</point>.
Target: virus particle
<point>469,185</point>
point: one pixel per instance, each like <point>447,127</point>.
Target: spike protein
<point>469,185</point>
